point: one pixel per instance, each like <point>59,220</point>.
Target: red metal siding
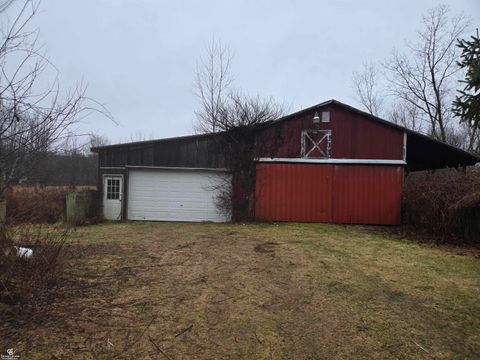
<point>353,137</point>
<point>367,194</point>
<point>294,192</point>
<point>355,194</point>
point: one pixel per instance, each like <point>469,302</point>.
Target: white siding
<point>175,195</point>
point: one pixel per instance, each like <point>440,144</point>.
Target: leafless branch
<point>5,4</point>
<point>407,115</point>
<point>33,118</point>
<point>365,84</point>
<point>212,83</point>
<point>237,116</point>
<point>423,77</point>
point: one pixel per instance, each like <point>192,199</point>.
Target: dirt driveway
<point>258,291</point>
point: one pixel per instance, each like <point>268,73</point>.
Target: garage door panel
<point>175,195</point>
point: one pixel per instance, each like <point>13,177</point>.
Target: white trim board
<point>333,161</point>
<point>175,168</point>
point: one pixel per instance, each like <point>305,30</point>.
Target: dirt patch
<point>267,247</point>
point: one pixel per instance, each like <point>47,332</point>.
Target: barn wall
<point>354,136</point>
<point>191,152</point>
<point>353,194</point>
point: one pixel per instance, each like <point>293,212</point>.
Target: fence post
<point>79,207</point>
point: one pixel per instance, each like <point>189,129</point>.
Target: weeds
<point>445,203</point>
<point>35,204</point>
<point>26,282</point>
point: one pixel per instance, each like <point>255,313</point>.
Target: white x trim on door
<point>307,140</point>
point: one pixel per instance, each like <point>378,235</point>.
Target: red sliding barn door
<point>294,192</point>
<point>367,194</point>
<point>355,194</point>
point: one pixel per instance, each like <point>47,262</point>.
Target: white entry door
<point>112,197</point>
<point>176,195</point>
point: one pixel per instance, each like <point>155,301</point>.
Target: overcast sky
<point>138,57</point>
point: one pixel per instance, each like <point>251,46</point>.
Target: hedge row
<point>34,204</point>
<point>445,203</point>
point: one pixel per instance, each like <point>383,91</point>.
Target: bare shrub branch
<point>239,121</point>
<point>25,282</point>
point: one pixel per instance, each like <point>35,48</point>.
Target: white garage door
<point>175,195</point>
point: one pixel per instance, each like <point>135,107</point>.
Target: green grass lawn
<point>255,291</point>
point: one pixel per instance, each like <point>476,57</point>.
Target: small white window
<point>325,116</point>
<point>113,189</point>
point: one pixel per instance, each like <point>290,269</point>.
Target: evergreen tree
<point>467,104</point>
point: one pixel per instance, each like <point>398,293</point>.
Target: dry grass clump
<point>34,204</point>
<point>26,282</point>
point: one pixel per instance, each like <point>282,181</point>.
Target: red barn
<point>327,163</point>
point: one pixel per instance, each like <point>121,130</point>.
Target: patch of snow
<point>24,252</point>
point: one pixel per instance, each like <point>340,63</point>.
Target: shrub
<point>445,203</point>
<point>26,282</point>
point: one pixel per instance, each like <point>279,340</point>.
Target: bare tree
<point>212,84</point>
<point>237,116</point>
<point>72,149</point>
<point>405,114</point>
<point>239,119</point>
<point>34,118</point>
<point>140,135</point>
<point>471,137</point>
<point>365,84</point>
<point>423,76</point>
<point>97,140</point>
<point>221,107</point>
<point>243,111</point>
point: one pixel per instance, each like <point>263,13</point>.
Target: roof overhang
<point>156,141</point>
<point>422,152</point>
<point>425,153</point>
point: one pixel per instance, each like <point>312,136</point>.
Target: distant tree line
<point>71,164</point>
<point>61,169</point>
